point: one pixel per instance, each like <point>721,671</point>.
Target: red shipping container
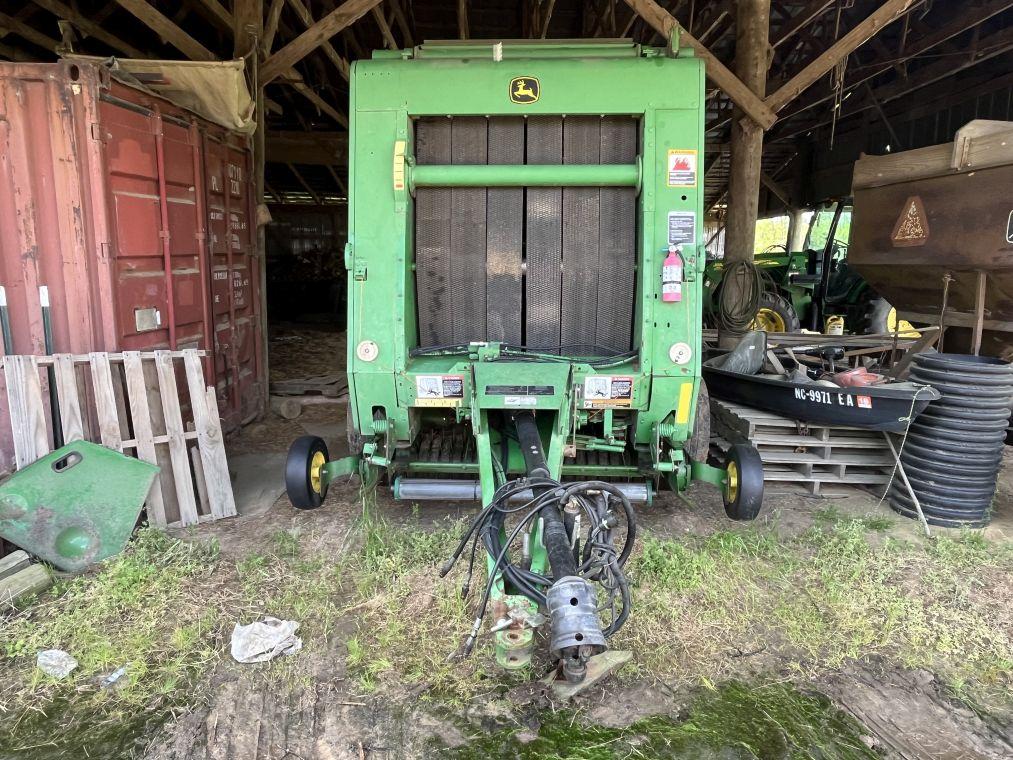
<point>138,216</point>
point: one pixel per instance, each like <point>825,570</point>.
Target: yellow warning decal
<point>399,149</point>
<point>685,399</point>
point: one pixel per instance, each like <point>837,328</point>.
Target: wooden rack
<point>130,402</point>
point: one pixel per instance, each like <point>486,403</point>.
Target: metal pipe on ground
<point>435,489</point>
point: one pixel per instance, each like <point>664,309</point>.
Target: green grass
<point>819,599</point>
<point>139,611</point>
<point>735,721</point>
<point>706,610</point>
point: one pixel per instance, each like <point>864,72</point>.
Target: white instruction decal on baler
<point>603,391</point>
<point>681,227</point>
<point>439,390</point>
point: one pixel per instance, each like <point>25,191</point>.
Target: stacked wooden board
<point>797,452</point>
<point>154,405</point>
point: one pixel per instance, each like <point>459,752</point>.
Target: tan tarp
<point>215,90</point>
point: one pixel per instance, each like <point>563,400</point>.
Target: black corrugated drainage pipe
<point>954,448</point>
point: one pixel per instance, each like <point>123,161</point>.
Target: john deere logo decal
<point>524,90</point>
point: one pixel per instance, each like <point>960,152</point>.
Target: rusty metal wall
<point>137,217</point>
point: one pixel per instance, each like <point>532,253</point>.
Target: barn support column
<point>751,61</point>
<point>248,29</point>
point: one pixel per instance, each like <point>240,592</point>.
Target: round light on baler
<point>367,351</point>
<point>680,353</point>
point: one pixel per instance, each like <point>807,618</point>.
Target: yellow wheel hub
<point>768,320</point>
<point>316,465</point>
<point>731,482</point>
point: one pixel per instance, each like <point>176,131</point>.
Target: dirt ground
<point>320,711</point>
<point>372,682</point>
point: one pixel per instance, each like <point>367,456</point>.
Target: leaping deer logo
<point>524,90</point>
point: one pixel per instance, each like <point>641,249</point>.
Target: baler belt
<point>543,221</point>
<point>579,291</point>
<point>469,140</point>
<point>617,239</point>
<point>579,243</point>
<point>432,238</point>
<point>505,236</point>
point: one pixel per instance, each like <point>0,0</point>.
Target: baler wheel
<point>743,491</point>
<point>306,457</point>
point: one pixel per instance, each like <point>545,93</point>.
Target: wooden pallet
<point>131,402</point>
<point>804,453</point>
<point>331,386</point>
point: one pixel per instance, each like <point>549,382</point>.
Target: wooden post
<point>751,63</point>
<point>249,29</point>
<point>979,312</point>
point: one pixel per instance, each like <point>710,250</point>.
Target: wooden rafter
<point>304,183</point>
<point>342,187</point>
<point>548,17</point>
<point>462,19</point>
<point>22,29</point>
<point>662,21</point>
<point>937,35</point>
<point>167,30</point>
<point>888,12</point>
<point>402,22</point>
<point>310,94</point>
<point>222,17</point>
<point>271,26</point>
<point>340,18</point>
<point>303,12</point>
<point>84,25</point>
<point>381,21</point>
<point>995,44</point>
<point>799,21</point>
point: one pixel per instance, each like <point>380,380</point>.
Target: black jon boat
<point>888,407</point>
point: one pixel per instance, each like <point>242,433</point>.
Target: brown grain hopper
<point>940,220</point>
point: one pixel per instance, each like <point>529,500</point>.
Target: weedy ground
<point>736,603</point>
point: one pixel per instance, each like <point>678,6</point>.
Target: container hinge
<point>97,133</point>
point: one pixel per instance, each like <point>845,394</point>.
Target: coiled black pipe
<point>954,449</point>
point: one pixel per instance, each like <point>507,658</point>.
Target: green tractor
<point>804,288</point>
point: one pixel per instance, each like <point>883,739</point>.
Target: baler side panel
<point>379,278</point>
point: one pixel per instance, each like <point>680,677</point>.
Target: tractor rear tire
<point>876,318</point>
<point>302,472</point>
<point>743,491</point>
<point>780,309</point>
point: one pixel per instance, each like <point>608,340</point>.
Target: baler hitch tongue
<point>573,610</point>
<point>563,589</point>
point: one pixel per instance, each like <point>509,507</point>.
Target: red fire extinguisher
<point>671,276</point>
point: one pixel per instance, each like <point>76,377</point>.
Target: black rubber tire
<point>698,443</point>
<point>749,496</point>
<point>298,484</point>
<point>778,303</point>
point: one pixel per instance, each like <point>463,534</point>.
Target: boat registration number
<point>819,396</point>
